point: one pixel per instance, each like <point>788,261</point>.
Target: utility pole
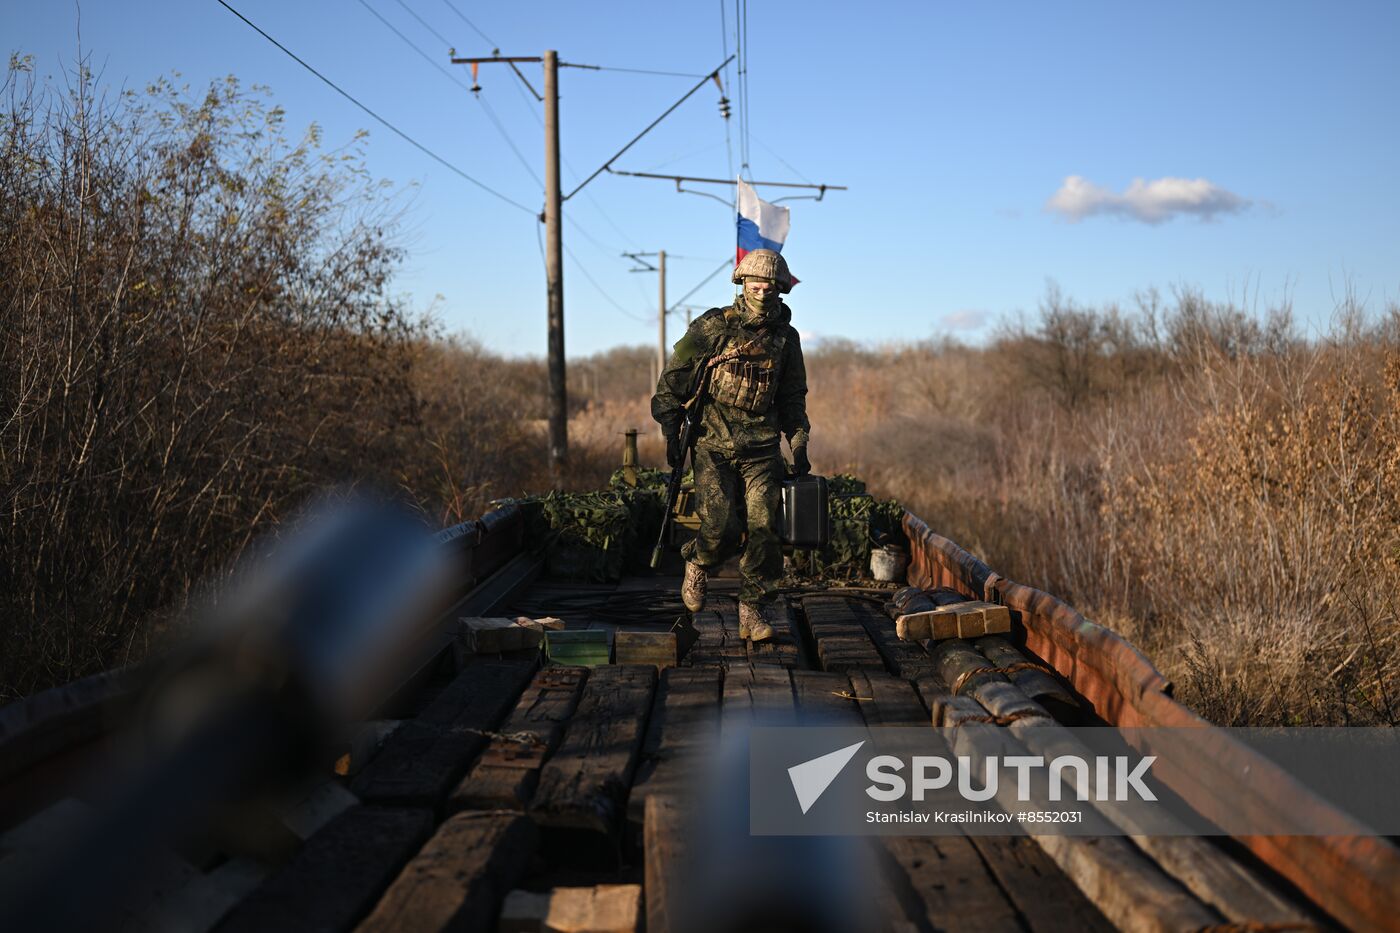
<point>553,218</point>
<point>554,270</point>
<point>644,266</point>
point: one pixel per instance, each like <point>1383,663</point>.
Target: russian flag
<point>761,225</point>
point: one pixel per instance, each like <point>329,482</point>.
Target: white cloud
<point>1152,202</point>
<point>966,319</point>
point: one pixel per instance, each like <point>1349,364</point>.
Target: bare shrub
<point>1193,474</point>
<point>197,335</point>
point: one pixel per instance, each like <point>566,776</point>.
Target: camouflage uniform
<point>757,393</point>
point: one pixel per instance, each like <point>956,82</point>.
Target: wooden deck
<point>508,774</point>
<point>502,788</point>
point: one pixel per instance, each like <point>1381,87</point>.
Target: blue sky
<point>955,126</point>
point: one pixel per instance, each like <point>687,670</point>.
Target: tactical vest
<point>746,374</point>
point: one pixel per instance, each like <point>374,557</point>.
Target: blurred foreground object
<point>706,873</point>
<point>304,642</point>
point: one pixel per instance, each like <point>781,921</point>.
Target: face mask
<point>761,310</point>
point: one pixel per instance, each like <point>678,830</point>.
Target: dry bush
<point>196,336</point>
<point>1262,547</point>
<point>480,437</point>
<point>1191,474</point>
<point>199,336</point>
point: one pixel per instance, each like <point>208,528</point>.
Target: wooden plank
<point>508,770</point>
<point>665,846</point>
<point>426,757</point>
<point>337,876</point>
<point>584,785</point>
<point>905,659</point>
<point>841,641</point>
<point>757,694</point>
<point>820,700</point>
<point>460,878</point>
<point>971,619</point>
<point>887,700</point>
<point>1047,900</point>
<point>603,908</point>
<point>947,884</point>
<point>494,634</point>
<point>681,735</point>
<point>656,648</point>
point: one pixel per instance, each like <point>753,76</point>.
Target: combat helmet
<point>765,264</point>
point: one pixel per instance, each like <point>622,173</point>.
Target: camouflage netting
<point>859,522</point>
<point>598,536</point>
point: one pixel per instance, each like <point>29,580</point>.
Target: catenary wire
<point>413,45</point>
<point>569,166</point>
<point>703,282</point>
<point>594,282</point>
<point>391,127</point>
<point>650,126</point>
<point>485,105</point>
<point>489,41</point>
<point>440,37</point>
<point>769,149</point>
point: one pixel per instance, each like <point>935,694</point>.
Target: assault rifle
<point>690,424</point>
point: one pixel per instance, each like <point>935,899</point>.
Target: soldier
<point>757,390</point>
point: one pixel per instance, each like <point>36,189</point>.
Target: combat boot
<point>753,622</point>
<point>693,587</point>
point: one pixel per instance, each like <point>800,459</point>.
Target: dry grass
<point>1217,489</point>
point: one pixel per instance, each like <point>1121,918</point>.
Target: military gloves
<point>674,452</point>
<point>800,464</point>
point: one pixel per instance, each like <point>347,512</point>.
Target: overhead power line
<point>413,45</point>
<point>594,282</point>
<point>485,106</point>
<point>391,127</point>
<point>728,261</point>
<point>650,126</point>
<point>424,23</point>
<point>489,41</point>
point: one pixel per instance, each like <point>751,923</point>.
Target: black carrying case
<point>806,513</point>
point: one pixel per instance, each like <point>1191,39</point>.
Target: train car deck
<point>509,783</point>
<point>601,785</point>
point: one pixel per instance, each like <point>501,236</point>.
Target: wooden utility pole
<point>553,218</point>
<point>554,269</point>
<point>661,315</point>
